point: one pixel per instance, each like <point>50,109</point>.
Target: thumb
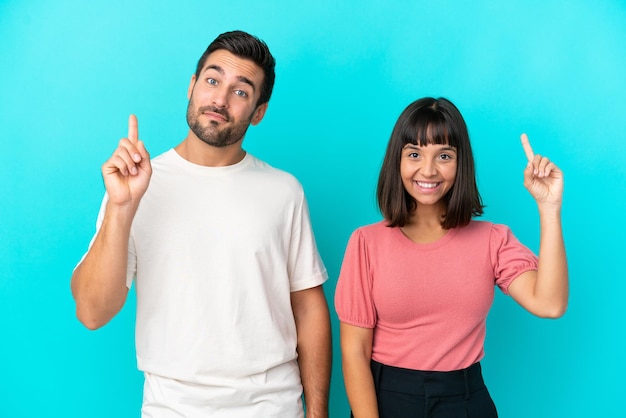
<point>143,152</point>
<point>528,174</point>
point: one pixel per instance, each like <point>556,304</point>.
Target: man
<point>231,316</point>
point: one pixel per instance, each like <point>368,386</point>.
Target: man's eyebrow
<point>247,81</point>
<point>215,67</point>
<point>240,78</point>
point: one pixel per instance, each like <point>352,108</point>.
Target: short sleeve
<point>131,266</point>
<point>509,257</point>
<point>305,266</point>
<point>354,302</point>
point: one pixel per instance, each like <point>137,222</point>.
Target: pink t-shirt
<point>427,303</point>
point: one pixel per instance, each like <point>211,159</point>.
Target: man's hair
<point>245,46</point>
<point>429,121</point>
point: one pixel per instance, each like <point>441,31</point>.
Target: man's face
<point>222,100</point>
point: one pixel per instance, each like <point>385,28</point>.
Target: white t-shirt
<point>216,252</point>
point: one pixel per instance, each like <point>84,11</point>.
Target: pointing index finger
<point>530,155</point>
<point>133,130</point>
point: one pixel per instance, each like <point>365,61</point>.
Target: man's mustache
<point>217,110</point>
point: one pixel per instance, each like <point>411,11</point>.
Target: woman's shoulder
<point>484,228</point>
<point>496,233</point>
<point>375,235</point>
<point>373,229</point>
<point>483,225</point>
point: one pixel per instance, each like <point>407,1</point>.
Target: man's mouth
<point>215,111</point>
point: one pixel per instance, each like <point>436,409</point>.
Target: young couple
<point>232,320</point>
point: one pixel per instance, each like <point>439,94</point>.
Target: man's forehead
<point>230,64</point>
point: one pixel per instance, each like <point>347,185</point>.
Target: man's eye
<point>241,93</point>
<point>211,81</point>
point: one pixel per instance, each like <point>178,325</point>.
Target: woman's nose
<point>428,168</point>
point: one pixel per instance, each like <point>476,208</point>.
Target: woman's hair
<point>249,47</point>
<point>429,121</point>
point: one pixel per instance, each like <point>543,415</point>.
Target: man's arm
<point>310,311</point>
<point>99,282</point>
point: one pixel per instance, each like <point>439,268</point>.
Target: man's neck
<point>198,152</point>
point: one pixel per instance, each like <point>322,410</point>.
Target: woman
<point>415,289</point>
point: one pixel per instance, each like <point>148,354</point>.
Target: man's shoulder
<point>163,157</point>
<point>273,174</point>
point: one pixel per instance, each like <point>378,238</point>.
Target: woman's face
<point>428,172</point>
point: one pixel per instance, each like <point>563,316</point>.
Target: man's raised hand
<point>127,173</point>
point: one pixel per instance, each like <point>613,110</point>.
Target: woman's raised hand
<point>542,178</point>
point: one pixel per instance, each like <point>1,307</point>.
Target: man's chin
<point>218,143</point>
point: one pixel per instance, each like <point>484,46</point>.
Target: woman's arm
<point>544,292</point>
<point>356,354</point>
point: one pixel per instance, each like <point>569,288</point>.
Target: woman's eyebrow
<point>417,147</point>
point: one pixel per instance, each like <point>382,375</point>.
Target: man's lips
<point>215,114</point>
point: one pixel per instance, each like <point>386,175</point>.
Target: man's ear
<point>258,114</point>
<point>191,84</point>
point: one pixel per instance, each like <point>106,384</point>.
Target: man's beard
<point>209,133</point>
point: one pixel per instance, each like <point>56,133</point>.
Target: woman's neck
<point>424,225</point>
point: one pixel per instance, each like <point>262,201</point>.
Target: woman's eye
<point>413,155</point>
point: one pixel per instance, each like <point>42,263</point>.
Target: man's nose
<point>220,97</point>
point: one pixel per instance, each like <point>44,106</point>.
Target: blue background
<point>72,71</point>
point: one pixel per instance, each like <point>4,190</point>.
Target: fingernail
<point>133,170</point>
<point>137,157</point>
